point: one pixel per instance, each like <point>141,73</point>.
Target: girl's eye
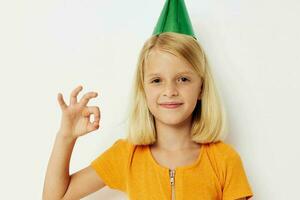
<point>155,81</point>
<point>183,78</point>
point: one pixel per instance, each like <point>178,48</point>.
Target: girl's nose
<point>170,90</point>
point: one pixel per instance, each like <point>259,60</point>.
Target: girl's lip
<point>171,105</point>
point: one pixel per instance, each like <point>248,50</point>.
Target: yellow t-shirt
<point>217,174</point>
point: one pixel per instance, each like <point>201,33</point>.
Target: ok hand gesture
<point>75,120</point>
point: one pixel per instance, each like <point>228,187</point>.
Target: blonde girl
<point>173,149</point>
<point>174,145</point>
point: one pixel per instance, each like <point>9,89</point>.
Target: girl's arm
<point>75,122</point>
<point>57,176</point>
<point>58,184</point>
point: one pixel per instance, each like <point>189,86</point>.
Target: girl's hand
<point>75,120</point>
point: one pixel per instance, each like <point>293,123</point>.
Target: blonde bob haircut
<point>208,120</point>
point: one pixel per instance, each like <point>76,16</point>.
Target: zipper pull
<point>172,181</point>
<point>172,176</point>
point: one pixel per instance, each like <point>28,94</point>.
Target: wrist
<point>65,135</point>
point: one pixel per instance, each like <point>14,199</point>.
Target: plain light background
<point>47,47</point>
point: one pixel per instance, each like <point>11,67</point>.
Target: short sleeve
<point>111,165</point>
<point>236,183</point>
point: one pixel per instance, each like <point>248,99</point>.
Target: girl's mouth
<point>171,106</point>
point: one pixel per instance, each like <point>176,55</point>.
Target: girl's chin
<point>172,121</point>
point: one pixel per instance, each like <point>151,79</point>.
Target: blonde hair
<point>209,119</point>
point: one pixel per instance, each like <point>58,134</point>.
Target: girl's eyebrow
<point>184,72</point>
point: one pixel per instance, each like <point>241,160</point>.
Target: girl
<point>173,148</point>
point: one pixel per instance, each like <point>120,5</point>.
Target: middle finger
<point>73,98</point>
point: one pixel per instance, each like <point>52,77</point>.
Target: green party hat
<point>174,18</point>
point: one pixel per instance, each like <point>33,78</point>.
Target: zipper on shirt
<point>172,181</point>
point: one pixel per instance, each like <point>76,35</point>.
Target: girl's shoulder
<point>222,150</point>
<point>224,159</point>
<point>122,143</point>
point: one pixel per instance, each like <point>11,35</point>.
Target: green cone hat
<point>174,18</point>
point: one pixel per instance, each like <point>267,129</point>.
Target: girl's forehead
<point>158,60</point>
<point>156,53</point>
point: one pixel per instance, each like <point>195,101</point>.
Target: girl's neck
<point>174,138</point>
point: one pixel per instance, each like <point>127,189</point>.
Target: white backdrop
<point>51,46</point>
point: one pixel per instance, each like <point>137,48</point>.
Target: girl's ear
<point>200,96</point>
<point>201,92</point>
